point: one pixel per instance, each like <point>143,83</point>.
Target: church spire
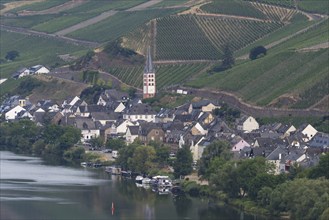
<point>149,63</point>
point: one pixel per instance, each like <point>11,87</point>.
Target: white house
<point>198,148</point>
<point>247,124</point>
<point>12,114</point>
<point>39,69</point>
<point>140,112</point>
<point>123,125</point>
<point>131,134</point>
<point>309,132</point>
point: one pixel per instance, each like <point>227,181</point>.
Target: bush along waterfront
<point>54,143</point>
<point>251,184</point>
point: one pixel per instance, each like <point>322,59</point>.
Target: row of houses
<point>193,124</point>
<point>34,70</point>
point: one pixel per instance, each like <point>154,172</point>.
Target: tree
<point>96,142</point>
<point>228,58</point>
<point>256,52</point>
<point>12,55</point>
<point>216,149</point>
<point>183,163</point>
<point>115,144</point>
<point>143,159</point>
<point>322,169</point>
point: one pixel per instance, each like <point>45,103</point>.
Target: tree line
<point>54,143</point>
<point>302,193</point>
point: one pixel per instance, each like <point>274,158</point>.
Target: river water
<point>31,190</point>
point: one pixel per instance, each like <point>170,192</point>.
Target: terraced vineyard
<point>275,13</point>
<point>233,7</point>
<point>283,3</point>
<point>166,74</point>
<point>181,38</point>
<point>238,33</point>
<point>190,37</point>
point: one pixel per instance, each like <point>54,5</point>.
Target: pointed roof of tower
<point>149,63</point>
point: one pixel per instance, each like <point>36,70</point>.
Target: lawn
<point>32,51</point>
<point>118,25</point>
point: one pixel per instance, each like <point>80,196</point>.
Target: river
<point>31,190</point>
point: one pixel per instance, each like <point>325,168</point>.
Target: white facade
<point>248,124</point>
<point>122,128</point>
<point>12,114</point>
<point>120,107</point>
<point>86,135</point>
<point>42,70</point>
<point>309,132</point>
<point>134,118</point>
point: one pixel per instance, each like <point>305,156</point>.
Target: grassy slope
<point>117,25</point>
<point>233,7</point>
<point>282,71</point>
<point>32,51</point>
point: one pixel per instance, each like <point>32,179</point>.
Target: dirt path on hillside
<point>103,16</point>
<point>55,9</point>
<point>52,36</point>
<point>256,111</point>
<point>315,47</point>
<point>86,23</point>
<point>12,5</point>
<point>145,5</point>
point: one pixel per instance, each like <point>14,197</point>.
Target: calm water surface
<point>31,190</point>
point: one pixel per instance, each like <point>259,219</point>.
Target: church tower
<point>149,88</point>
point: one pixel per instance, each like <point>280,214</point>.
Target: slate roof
<point>134,130</point>
<point>85,123</point>
<point>141,109</point>
<point>98,116</point>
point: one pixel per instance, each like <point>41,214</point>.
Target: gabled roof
<point>134,130</point>
<point>200,104</point>
<point>141,109</point>
<point>145,128</point>
<point>115,95</point>
<point>84,123</point>
<point>97,116</point>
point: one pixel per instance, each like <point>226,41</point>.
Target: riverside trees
<point>251,180</point>
<point>52,142</point>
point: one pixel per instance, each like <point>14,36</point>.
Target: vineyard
<point>166,74</point>
<point>282,3</point>
<point>238,33</point>
<point>275,13</point>
<point>189,37</point>
<point>233,7</point>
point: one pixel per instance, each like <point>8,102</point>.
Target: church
<point>149,85</point>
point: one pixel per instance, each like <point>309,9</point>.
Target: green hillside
<point>166,74</point>
<point>284,71</point>
<point>293,74</point>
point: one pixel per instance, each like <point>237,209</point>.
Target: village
<point>194,124</point>
<point>197,124</point>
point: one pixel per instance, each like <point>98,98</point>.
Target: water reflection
<point>32,190</point>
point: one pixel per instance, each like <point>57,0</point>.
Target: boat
<point>146,181</point>
<point>139,179</point>
<point>113,170</point>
